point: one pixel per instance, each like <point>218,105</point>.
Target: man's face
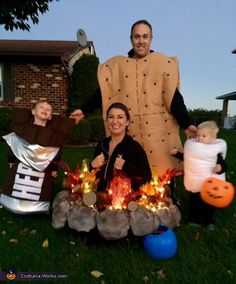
<point>141,40</point>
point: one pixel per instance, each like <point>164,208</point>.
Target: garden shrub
<point>97,126</point>
<point>5,118</point>
<point>81,133</point>
<point>199,115</point>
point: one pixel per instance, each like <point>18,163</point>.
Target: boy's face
<point>42,111</point>
<point>203,136</point>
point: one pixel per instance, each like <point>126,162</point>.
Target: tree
<point>85,92</point>
<point>15,14</point>
<point>199,115</point>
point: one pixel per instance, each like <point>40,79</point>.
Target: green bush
<point>97,126</point>
<point>81,133</point>
<point>5,118</point>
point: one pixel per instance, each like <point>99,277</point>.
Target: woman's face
<point>141,40</point>
<point>117,121</point>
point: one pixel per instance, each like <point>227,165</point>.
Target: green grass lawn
<point>202,256</point>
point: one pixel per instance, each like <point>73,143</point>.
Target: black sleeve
<point>136,164</point>
<point>11,158</point>
<point>54,165</point>
<point>180,111</point>
<point>221,161</point>
<point>97,151</point>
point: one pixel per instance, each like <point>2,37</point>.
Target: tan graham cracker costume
<point>146,86</point>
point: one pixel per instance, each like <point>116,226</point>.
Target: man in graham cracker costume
<point>34,148</point>
<point>147,83</point>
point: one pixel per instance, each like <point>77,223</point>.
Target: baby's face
<point>203,136</point>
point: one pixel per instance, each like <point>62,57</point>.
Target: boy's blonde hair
<point>210,126</point>
<point>40,102</point>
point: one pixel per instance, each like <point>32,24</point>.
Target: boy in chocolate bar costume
<point>34,146</point>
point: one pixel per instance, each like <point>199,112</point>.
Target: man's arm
<point>181,115</point>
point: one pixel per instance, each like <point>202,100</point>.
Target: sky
<point>201,33</point>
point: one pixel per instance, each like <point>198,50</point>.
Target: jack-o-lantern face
<point>217,192</point>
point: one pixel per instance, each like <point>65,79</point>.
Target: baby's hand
<point>217,169</point>
<point>174,151</point>
<point>98,161</point>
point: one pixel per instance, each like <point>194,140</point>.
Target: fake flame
<point>120,187</point>
<point>151,195</point>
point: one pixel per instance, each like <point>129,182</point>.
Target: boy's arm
<point>77,115</point>
<point>54,165</point>
<point>11,158</point>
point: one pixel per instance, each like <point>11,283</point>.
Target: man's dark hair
<point>145,22</point>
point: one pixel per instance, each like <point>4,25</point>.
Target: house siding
<point>35,81</point>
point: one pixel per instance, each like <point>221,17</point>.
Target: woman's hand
<point>98,161</point>
<point>119,162</point>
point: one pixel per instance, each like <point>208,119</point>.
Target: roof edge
<point>229,96</point>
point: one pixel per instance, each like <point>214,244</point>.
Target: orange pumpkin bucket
<point>217,192</point>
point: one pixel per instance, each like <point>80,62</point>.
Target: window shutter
<point>8,82</point>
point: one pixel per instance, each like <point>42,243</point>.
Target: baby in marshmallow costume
<point>204,157</point>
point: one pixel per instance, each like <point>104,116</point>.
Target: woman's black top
<point>136,164</point>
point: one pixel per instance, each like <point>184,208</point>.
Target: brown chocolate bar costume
<point>37,185</point>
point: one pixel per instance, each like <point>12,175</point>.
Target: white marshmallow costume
<point>200,160</point>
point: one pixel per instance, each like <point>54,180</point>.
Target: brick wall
<point>32,82</point>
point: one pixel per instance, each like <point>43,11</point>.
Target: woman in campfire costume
<point>120,152</point>
<point>34,143</point>
<point>121,165</point>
